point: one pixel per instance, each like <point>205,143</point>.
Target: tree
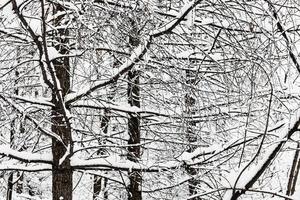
<point>151,99</point>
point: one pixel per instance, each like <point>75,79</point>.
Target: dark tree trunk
<point>100,184</point>
<point>190,103</point>
<point>133,93</point>
<point>134,152</point>
<point>62,174</point>
<point>19,188</point>
<point>9,186</point>
<point>294,173</point>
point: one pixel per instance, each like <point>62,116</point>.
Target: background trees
<point>149,99</point>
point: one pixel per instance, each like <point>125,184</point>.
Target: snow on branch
<point>246,179</point>
<point>136,55</point>
<point>121,4</point>
<point>8,166</point>
<point>14,35</point>
<point>273,193</point>
<point>120,108</point>
<point>115,163</point>
<point>166,28</point>
<point>35,101</point>
<point>27,157</point>
<point>36,123</point>
<point>125,67</point>
<point>189,158</point>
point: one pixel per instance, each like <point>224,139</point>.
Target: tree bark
<point>62,174</point>
<point>294,173</point>
<point>9,186</point>
<point>133,93</point>
<point>134,152</point>
<point>190,103</point>
<point>19,188</point>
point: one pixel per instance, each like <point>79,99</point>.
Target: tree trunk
<point>19,188</point>
<point>62,174</point>
<point>9,186</point>
<point>134,152</point>
<point>100,184</point>
<point>294,173</point>
<point>191,136</point>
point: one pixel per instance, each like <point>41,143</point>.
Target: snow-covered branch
<point>120,108</point>
<point>168,27</point>
<point>27,157</point>
<point>110,163</point>
<point>9,166</point>
<point>14,35</point>
<point>273,193</point>
<point>249,177</point>
<point>125,67</point>
<point>34,101</point>
<point>34,121</point>
<point>136,55</point>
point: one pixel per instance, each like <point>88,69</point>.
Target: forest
<point>149,99</point>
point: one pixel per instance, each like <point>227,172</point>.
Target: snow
<point>35,122</point>
<point>122,107</point>
<point>25,167</point>
<point>296,194</point>
<point>190,17</point>
<point>65,155</point>
<point>109,162</point>
<point>36,26</point>
<point>242,178</point>
<point>188,157</point>
<point>26,156</point>
<point>137,52</point>
<point>162,133</point>
<point>32,100</point>
<point>115,162</point>
<point>53,53</point>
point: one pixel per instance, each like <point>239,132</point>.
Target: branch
<point>120,108</point>
<point>24,167</point>
<point>137,54</point>
<point>283,32</point>
<point>168,27</point>
<point>32,100</point>
<point>27,157</point>
<point>250,190</point>
<point>14,35</point>
<point>37,124</point>
<point>114,163</point>
<point>254,173</point>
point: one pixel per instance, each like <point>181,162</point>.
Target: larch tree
<point>184,99</point>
